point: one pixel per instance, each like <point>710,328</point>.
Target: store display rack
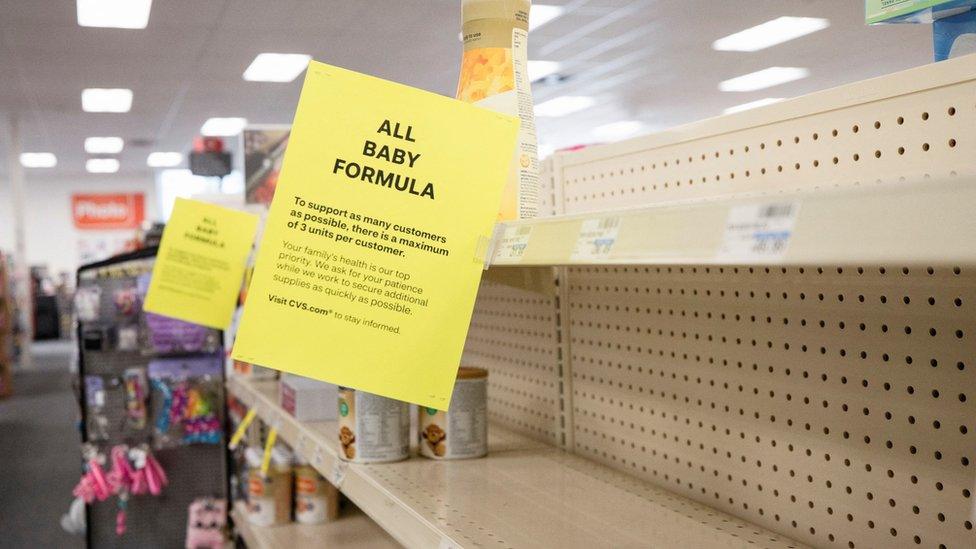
<point>352,530</point>
<point>824,391</point>
<point>659,378</point>
<point>523,494</point>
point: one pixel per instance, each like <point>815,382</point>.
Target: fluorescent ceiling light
<point>773,76</point>
<point>164,159</point>
<point>618,130</point>
<point>38,160</point>
<point>223,127</point>
<point>770,33</point>
<point>276,67</point>
<point>103,145</point>
<point>540,14</point>
<point>106,100</point>
<point>102,165</point>
<point>752,105</point>
<point>116,14</point>
<point>542,69</point>
<point>563,105</point>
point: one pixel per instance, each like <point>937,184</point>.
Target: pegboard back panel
<point>513,335</point>
<point>831,404</point>
<point>913,124</point>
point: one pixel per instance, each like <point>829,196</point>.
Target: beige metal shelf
<point>922,222</point>
<point>352,530</point>
<point>524,494</point>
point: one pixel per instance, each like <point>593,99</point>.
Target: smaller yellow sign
<point>200,263</point>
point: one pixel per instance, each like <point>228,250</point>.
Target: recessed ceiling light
<point>223,127</point>
<point>103,145</point>
<point>164,159</point>
<point>106,100</point>
<point>38,160</point>
<point>116,14</point>
<point>102,165</point>
<point>770,33</point>
<point>540,14</point>
<point>773,76</point>
<point>276,67</point>
<point>752,105</point>
<point>563,105</point>
<point>618,130</point>
<point>542,69</point>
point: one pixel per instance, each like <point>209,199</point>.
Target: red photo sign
<point>108,211</point>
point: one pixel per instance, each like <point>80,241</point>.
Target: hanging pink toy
<point>152,476</point>
<point>121,476</point>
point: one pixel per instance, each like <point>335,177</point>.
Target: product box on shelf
<point>307,399</point>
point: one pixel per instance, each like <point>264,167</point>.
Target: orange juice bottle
<point>494,74</point>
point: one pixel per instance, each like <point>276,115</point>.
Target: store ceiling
<point>645,60</point>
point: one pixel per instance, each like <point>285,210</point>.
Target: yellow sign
<point>200,264</point>
<point>366,275</point>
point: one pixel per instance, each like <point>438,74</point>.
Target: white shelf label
<point>758,231</point>
<point>338,473</point>
<point>512,244</point>
<point>596,238</point>
<point>319,459</point>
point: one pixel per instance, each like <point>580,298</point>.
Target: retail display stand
<point>119,345</point>
<point>754,330</point>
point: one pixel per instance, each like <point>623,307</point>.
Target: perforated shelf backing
<point>833,405</point>
<point>513,335</point>
<point>917,123</point>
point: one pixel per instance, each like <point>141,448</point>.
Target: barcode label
<point>512,245</point>
<point>596,238</point>
<point>338,473</point>
<point>776,210</point>
<point>758,232</point>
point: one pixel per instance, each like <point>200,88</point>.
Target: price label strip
<point>596,239</point>
<point>511,246</point>
<point>758,231</point>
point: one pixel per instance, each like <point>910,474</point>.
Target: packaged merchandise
<point>188,409</point>
<point>96,417</point>
<point>372,429</point>
<point>88,302</point>
<point>494,75</point>
<point>461,432</point>
<point>307,399</point>
<point>269,497</point>
<point>167,335</point>
<point>206,520</point>
<point>311,494</point>
<point>131,471</point>
<point>136,394</point>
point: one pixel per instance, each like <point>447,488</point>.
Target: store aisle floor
<point>39,452</point>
